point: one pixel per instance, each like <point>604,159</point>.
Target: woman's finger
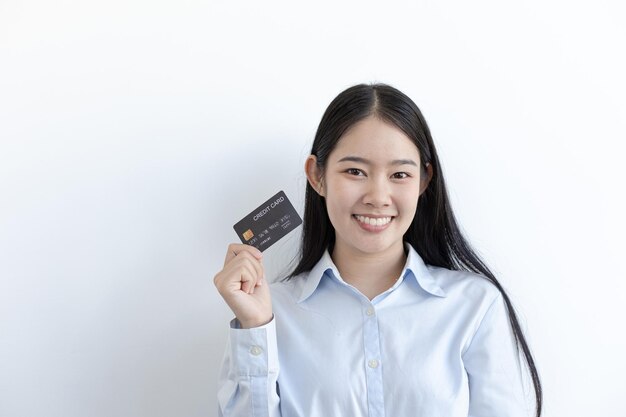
<point>234,249</point>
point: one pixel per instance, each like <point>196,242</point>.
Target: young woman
<point>389,312</point>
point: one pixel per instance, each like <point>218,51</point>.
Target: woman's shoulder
<point>288,288</point>
<point>465,284</point>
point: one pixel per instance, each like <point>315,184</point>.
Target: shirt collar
<point>315,276</point>
<point>414,267</point>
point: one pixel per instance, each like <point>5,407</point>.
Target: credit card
<point>268,223</point>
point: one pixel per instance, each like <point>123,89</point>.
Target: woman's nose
<point>378,193</point>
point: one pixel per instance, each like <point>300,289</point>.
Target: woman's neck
<point>371,274</point>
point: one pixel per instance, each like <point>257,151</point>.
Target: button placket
<point>373,373</point>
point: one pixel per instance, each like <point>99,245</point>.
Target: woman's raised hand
<point>243,286</point>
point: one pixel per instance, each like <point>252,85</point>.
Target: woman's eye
<point>354,171</point>
<point>400,175</point>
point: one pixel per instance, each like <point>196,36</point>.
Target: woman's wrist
<point>258,322</point>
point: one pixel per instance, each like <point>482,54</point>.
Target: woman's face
<point>371,185</point>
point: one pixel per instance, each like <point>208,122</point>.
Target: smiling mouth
<point>373,221</point>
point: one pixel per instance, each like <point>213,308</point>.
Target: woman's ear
<point>426,180</point>
<point>314,175</point>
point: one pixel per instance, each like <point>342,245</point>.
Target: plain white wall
<point>134,134</point>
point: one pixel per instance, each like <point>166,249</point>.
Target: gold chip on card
<point>248,234</point>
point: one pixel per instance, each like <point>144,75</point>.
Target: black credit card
<point>268,223</point>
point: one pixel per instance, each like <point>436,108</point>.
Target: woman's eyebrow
<point>403,162</point>
<point>368,162</point>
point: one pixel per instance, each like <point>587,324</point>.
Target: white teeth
<point>381,221</point>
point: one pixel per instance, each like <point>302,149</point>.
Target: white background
<point>135,133</point>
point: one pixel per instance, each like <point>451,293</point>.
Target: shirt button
<point>373,363</point>
<point>256,350</point>
<point>370,311</point>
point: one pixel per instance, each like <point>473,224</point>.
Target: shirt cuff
<point>254,351</point>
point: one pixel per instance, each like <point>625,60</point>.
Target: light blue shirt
<point>436,344</point>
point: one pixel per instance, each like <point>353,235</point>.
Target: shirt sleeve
<point>493,367</point>
<point>248,378</point>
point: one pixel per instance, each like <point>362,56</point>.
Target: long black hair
<point>434,232</point>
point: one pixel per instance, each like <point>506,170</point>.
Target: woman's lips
<point>373,224</point>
